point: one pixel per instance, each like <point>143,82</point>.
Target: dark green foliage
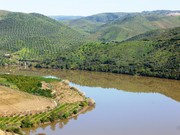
<point>75,111</point>
<point>52,117</point>
<point>14,129</point>
<point>34,36</point>
<point>121,26</point>
<point>62,111</point>
<point>83,104</point>
<point>26,123</point>
<point>65,115</point>
<point>29,84</point>
<point>44,119</point>
<point>54,45</point>
<point>155,54</point>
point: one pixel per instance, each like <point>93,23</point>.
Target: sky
<point>86,7</point>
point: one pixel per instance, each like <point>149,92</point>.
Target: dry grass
<point>6,133</point>
<point>13,102</point>
<point>64,93</point>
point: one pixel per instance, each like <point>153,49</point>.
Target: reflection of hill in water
<point>170,88</point>
<point>58,124</point>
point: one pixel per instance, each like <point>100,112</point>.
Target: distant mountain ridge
<point>121,26</point>
<point>146,43</point>
<point>62,17</point>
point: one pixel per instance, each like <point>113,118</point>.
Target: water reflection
<point>125,105</point>
<point>169,88</point>
<point>55,125</point>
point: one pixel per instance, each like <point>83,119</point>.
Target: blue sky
<point>87,7</point>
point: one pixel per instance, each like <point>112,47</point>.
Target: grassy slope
<point>121,26</point>
<point>90,24</point>
<point>152,54</point>
<point>37,37</point>
<point>34,36</point>
<point>130,26</point>
<point>29,84</point>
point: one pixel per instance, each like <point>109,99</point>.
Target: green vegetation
<point>121,26</point>
<point>61,18</point>
<point>116,46</point>
<point>151,54</point>
<point>34,37</point>
<point>61,112</point>
<point>33,85</point>
<point>28,84</point>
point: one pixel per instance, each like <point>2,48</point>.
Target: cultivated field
<point>17,102</point>
<point>21,108</point>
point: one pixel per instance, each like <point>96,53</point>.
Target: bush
<point>65,115</point>
<point>26,123</point>
<point>84,103</point>
<point>75,111</point>
<point>14,130</point>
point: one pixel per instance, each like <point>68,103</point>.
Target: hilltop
<point>34,36</point>
<point>145,43</point>
<point>62,17</point>
<point>121,26</point>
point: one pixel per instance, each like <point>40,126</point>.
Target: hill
<point>34,36</point>
<point>62,18</point>
<point>51,44</point>
<point>152,54</point>
<point>28,101</point>
<point>121,26</point>
<point>90,24</point>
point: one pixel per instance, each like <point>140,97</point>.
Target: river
<point>125,105</point>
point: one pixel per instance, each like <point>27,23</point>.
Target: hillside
<point>121,26</point>
<point>152,54</point>
<point>28,101</point>
<point>45,42</point>
<point>62,18</point>
<point>90,24</point>
<point>34,36</point>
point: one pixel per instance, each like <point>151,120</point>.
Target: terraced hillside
<point>34,36</point>
<point>26,101</point>
<point>121,26</point>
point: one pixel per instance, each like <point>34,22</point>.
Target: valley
<point>96,67</point>
<point>38,41</point>
<point>29,101</point>
<point>42,42</point>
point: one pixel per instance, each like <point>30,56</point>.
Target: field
<point>17,102</point>
<point>27,101</point>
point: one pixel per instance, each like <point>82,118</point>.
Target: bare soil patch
<point>13,102</point>
<point>64,93</point>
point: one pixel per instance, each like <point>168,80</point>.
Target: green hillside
<point>34,36</point>
<point>45,42</point>
<point>152,54</point>
<point>91,24</point>
<point>121,26</point>
<point>62,18</point>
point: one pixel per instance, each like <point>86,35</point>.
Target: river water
<point>125,105</point>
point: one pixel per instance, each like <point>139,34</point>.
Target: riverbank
<point>20,109</point>
<point>6,133</point>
